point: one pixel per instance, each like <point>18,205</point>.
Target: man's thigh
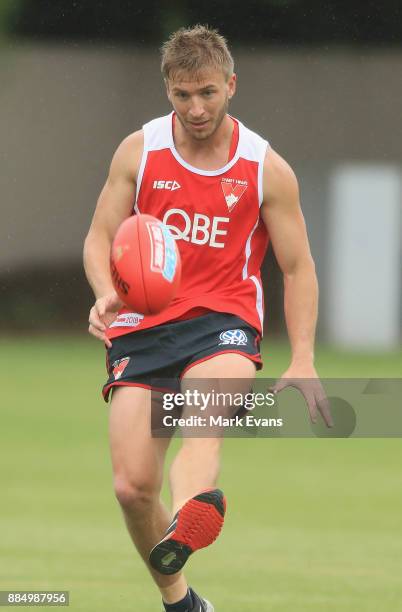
<point>218,385</point>
<point>137,456</point>
<point>230,365</point>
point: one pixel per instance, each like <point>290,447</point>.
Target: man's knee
<point>135,495</point>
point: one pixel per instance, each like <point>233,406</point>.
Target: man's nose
<point>196,109</point>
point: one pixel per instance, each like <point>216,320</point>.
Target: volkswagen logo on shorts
<point>235,337</point>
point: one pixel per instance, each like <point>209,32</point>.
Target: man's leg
<point>137,460</point>
<point>197,464</point>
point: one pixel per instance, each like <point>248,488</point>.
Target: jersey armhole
<point>141,170</point>
<point>264,150</point>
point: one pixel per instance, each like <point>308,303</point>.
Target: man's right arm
<point>115,204</point>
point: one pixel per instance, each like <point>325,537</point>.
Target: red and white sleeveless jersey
<point>215,217</point>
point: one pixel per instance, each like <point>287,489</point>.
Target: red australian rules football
<point>145,264</point>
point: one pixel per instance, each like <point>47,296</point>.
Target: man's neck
<point>221,137</point>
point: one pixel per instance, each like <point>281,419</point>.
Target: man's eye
<point>208,93</point>
<point>181,95</point>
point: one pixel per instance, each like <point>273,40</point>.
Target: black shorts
<point>158,357</point>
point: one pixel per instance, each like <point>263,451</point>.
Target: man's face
<point>201,101</point>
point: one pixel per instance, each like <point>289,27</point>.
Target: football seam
<point>142,266</point>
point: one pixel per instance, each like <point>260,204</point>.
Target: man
<point>222,191</point>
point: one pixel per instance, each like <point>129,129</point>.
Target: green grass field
<point>313,525</point>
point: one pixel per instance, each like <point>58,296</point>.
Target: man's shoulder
<point>278,176</point>
<point>134,140</point>
<point>127,157</point>
<point>277,166</point>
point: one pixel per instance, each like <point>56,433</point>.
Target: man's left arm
<point>285,223</point>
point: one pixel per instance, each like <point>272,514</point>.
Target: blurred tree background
<point>255,22</point>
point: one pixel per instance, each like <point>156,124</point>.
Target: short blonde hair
<point>191,50</point>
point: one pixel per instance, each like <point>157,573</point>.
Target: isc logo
<point>170,185</point>
<point>199,230</point>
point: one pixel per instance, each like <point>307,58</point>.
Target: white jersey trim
<point>259,300</point>
<point>245,276</point>
<point>156,137</point>
<point>195,170</point>
<point>139,177</point>
<point>158,134</point>
<point>260,177</point>
<point>248,250</point>
<point>254,148</point>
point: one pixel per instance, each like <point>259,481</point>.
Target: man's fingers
<point>317,402</point>
<point>97,326</point>
<point>312,406</point>
<point>322,404</point>
<point>313,394</point>
<point>94,331</point>
<point>100,335</point>
<point>94,319</point>
<point>324,407</point>
<point>107,342</point>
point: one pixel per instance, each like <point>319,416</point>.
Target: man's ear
<point>232,85</point>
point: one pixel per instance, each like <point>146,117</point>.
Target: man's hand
<point>102,314</point>
<point>306,380</point>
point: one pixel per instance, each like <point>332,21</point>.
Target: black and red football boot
<point>196,525</point>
